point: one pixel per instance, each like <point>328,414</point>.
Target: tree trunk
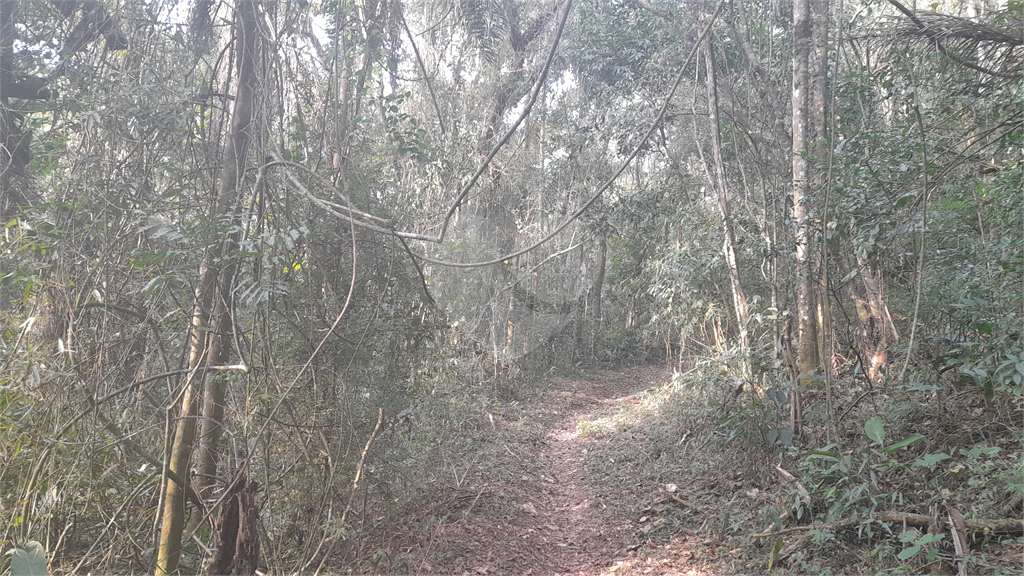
<point>238,543</point>
<point>810,67</point>
<point>9,132</point>
<point>876,328</point>
<point>232,178</point>
<point>818,141</point>
<point>596,293</point>
<point>209,340</point>
<point>807,341</point>
<point>739,298</point>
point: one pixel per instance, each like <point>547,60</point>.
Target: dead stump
<point>238,542</point>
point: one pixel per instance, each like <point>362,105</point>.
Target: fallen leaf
<point>584,504</point>
<point>735,550</point>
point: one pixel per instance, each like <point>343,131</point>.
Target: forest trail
<point>535,494</point>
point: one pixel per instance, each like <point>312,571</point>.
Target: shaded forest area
<point>269,268</point>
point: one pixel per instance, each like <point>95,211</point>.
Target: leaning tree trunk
<point>209,336</point>
<point>739,298</point>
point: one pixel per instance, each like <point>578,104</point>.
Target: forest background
<point>244,238</point>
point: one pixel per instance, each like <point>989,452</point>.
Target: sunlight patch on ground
<point>632,410</point>
<point>653,565</point>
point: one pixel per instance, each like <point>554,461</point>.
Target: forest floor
<point>638,471</point>
<point>583,477</point>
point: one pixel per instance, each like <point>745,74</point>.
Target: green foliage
<point>99,258</point>
<point>620,47</point>
<point>405,133</point>
<point>916,541</point>
<point>29,560</point>
<point>983,345</point>
<point>874,429</point>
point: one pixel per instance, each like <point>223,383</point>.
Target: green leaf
<point>908,536</point>
<point>29,561</point>
<point>908,553</point>
<point>904,443</point>
<point>776,548</point>
<point>930,460</point>
<point>875,429</point>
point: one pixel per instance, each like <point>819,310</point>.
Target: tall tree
<point>806,321</point>
<point>721,186</point>
<point>210,347</point>
<point>15,136</point>
<point>810,69</point>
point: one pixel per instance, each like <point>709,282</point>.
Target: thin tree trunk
<point>232,178</point>
<point>818,141</point>
<point>209,339</point>
<point>868,294</point>
<point>9,199</point>
<point>807,342</point>
<point>739,298</point>
<point>818,97</point>
<point>597,292</point>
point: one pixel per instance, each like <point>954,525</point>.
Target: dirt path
<point>523,499</point>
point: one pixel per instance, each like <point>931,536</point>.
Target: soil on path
<point>521,495</point>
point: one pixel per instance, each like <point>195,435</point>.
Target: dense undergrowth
<point>833,496</point>
<point>753,496</point>
<point>821,504</point>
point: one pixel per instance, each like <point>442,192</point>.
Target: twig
<point>359,468</point>
<point>921,521</point>
<point>803,528</point>
<point>131,497</point>
<point>924,221</point>
<point>465,514</point>
<point>426,76</point>
<point>790,478</point>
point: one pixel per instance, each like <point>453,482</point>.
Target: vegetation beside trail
<point>515,286</point>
